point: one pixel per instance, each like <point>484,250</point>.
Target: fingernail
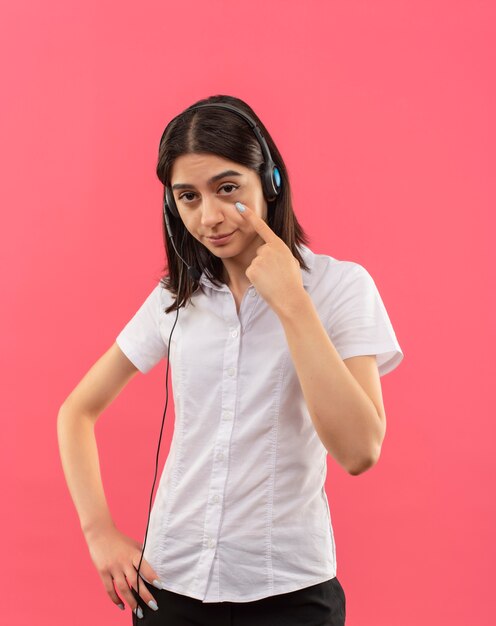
<point>121,606</point>
<point>153,605</point>
<point>158,584</point>
<point>139,611</point>
<point>240,207</point>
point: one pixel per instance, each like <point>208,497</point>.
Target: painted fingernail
<point>121,606</point>
<point>240,207</point>
<point>158,584</point>
<point>153,605</point>
<point>139,611</point>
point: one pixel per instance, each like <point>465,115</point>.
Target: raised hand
<point>274,272</point>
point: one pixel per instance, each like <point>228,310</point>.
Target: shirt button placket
<point>221,455</point>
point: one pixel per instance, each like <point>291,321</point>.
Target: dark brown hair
<point>225,134</point>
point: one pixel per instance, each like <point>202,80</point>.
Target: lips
<point>220,236</point>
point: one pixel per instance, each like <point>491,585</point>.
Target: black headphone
<point>271,178</point>
<point>271,185</point>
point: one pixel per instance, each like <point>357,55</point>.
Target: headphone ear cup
<point>170,202</point>
<point>271,182</point>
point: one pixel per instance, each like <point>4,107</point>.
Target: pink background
<point>384,113</point>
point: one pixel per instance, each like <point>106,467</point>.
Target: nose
<point>211,214</point>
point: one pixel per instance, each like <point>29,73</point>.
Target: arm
<point>349,421</point>
<point>350,424</point>
<point>116,556</point>
<point>76,437</point>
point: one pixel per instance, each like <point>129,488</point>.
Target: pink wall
<point>384,112</point>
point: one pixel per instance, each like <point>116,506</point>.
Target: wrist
<point>96,527</point>
<point>294,304</point>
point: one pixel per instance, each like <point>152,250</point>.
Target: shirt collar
<point>308,257</point>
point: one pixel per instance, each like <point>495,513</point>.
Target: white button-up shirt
<point>241,511</point>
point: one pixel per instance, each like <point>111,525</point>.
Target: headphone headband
<point>247,118</point>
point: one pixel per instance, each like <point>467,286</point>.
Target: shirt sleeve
<point>358,323</point>
<point>141,339</point>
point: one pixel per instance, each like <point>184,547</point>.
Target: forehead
<point>199,167</point>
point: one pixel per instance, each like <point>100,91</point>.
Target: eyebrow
<point>210,181</point>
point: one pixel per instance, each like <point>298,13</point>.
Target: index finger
<point>262,228</point>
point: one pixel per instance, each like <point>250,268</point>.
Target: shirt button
<point>234,333</point>
<point>220,456</point>
<point>216,498</point>
<point>253,292</point>
<point>231,371</point>
<point>227,415</point>
<point>210,542</point>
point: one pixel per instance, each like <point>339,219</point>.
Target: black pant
<point>323,604</point>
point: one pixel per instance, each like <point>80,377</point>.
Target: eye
<point>187,193</point>
<point>191,193</point>
<point>230,185</point>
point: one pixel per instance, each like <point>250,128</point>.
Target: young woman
<point>276,356</point>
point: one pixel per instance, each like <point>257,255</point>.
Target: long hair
<point>225,134</point>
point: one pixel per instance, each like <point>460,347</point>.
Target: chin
<point>224,251</point>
